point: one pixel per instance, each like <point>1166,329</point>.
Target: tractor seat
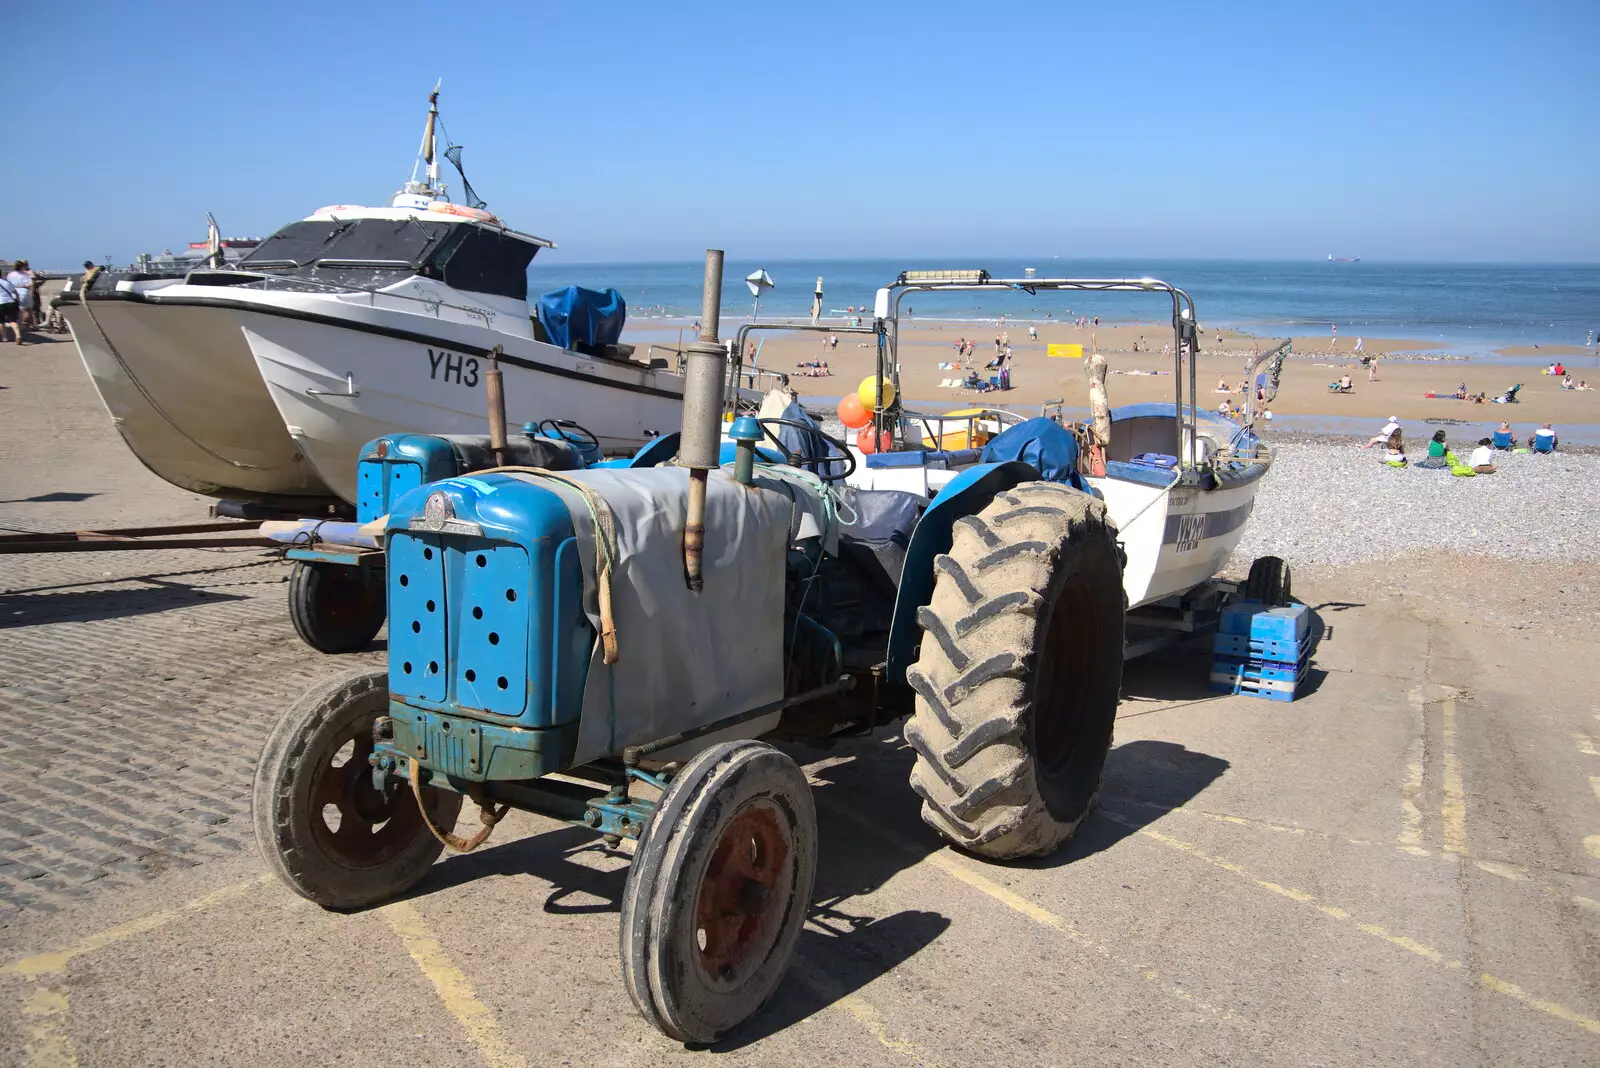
<point>877,540</point>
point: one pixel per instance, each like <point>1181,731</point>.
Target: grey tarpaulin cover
<point>684,659</point>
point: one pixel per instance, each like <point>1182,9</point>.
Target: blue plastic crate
<point>1250,689</point>
<point>1255,620</point>
<point>1264,670</point>
<point>1246,647</point>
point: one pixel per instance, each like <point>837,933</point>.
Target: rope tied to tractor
<point>487,815</point>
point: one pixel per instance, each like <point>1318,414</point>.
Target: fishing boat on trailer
<point>356,322</point>
<point>180,384</point>
<point>1179,482</point>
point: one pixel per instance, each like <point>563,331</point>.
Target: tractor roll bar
<point>1185,328</point>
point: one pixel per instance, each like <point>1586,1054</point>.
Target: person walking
<point>21,281</point>
<point>9,311</point>
<point>1372,369</point>
<point>1033,332</point>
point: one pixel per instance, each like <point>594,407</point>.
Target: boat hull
<point>186,397</point>
<point>338,385</point>
<point>1175,539</point>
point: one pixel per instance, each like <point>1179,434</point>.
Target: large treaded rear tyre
<point>335,608</point>
<point>1268,582</point>
<point>1017,678</point>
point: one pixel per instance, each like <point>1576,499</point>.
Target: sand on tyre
<point>1017,676</point>
<point>334,608</point>
<point>720,885</point>
<point>321,824</point>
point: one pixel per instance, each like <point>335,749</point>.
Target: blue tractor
<point>606,645</point>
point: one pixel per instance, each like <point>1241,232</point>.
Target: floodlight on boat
<point>970,277</point>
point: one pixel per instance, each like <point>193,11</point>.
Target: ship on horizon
<point>1343,259</point>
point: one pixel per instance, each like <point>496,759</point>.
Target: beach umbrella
<point>816,302</point>
<point>758,280</point>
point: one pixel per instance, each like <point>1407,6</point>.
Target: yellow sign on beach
<point>1071,352</point>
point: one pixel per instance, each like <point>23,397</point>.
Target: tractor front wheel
<point>321,824</point>
<point>336,608</point>
<point>720,885</point>
<point>1017,678</point>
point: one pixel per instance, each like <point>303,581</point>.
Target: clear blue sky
<point>1394,130</point>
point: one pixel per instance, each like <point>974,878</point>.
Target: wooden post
<point>1094,367</point>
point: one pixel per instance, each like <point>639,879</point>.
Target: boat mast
<point>426,152</point>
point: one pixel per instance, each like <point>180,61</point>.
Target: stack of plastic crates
<point>1261,651</point>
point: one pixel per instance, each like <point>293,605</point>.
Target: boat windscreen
<point>350,243</point>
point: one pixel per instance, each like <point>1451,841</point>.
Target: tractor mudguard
<point>967,494</point>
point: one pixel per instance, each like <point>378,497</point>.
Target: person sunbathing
<point>1461,391</point>
<point>1583,385</point>
<point>1395,454</point>
<point>1222,385</point>
<point>1566,383</point>
<point>1345,385</point>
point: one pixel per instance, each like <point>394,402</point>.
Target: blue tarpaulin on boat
<point>1044,443</point>
<point>577,316</point>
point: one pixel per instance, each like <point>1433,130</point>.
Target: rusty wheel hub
<point>356,824</point>
<point>738,910</point>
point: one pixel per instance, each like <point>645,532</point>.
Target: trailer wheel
<point>321,825</point>
<point>720,885</point>
<point>334,608</point>
<point>1017,678</point>
<point>1268,582</point>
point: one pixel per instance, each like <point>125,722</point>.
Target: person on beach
<point>1390,429</point>
<point>1359,343</point>
<point>1543,440</point>
<point>1566,383</point>
<point>1005,369</point>
<point>1482,458</point>
<point>1372,369</point>
<point>19,281</point>
<point>1438,457</point>
<point>1461,391</point>
<point>1395,454</point>
<point>1222,385</point>
<point>1345,385</point>
<point>1033,331</point>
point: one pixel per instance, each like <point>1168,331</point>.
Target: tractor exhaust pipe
<point>700,444</point>
<point>494,391</point>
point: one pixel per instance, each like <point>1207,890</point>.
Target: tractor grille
<point>459,621</point>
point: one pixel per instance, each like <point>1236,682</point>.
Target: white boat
<point>356,322</point>
<point>182,389</point>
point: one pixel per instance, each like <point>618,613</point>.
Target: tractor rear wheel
<point>1017,678</point>
<point>1268,582</point>
<point>336,608</point>
<point>321,825</point>
<point>720,885</point>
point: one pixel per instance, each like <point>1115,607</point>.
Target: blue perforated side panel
<point>490,606</point>
<point>418,629</point>
<point>369,490</point>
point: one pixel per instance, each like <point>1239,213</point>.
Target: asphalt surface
<point>1401,866</point>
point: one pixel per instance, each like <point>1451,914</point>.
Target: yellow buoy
<point>868,392</point>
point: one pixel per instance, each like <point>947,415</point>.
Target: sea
<point>1467,309</point>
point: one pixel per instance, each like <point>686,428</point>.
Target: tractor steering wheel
<point>570,432</point>
<point>814,465</point>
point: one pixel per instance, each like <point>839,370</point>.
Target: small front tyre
<point>321,825</point>
<point>720,885</point>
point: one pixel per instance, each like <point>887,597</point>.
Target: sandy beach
<point>1145,375</point>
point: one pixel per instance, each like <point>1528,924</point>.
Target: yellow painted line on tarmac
<point>57,961</point>
<point>862,1011</point>
<point>1428,953</point>
<point>451,985</point>
<point>1591,845</point>
<point>946,862</point>
<point>1585,744</point>
<point>1512,990</point>
<point>44,1013</point>
<point>1453,809</point>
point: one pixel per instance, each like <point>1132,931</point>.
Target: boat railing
<point>263,282</point>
